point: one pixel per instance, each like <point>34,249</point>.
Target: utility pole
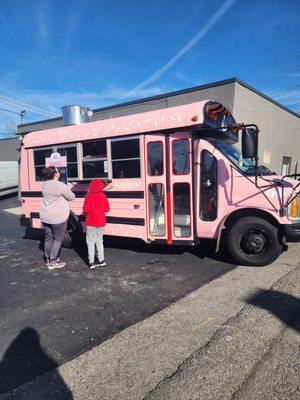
<point>21,113</point>
<point>10,129</point>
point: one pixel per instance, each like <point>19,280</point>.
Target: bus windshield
<point>246,166</point>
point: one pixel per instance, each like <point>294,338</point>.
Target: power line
<point>21,113</point>
<point>37,110</point>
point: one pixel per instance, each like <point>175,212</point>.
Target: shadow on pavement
<point>284,306</point>
<point>206,249</point>
<point>9,196</point>
<point>24,360</point>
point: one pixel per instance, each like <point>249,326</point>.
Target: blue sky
<point>98,53</point>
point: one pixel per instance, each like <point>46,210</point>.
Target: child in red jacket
<point>95,206</point>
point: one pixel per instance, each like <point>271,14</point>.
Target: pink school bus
<point>178,177</point>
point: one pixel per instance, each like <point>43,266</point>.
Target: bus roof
<point>150,121</point>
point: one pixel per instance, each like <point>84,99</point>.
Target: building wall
<point>279,129</point>
<point>223,93</point>
<point>9,149</point>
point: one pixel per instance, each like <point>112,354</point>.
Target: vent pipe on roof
<point>75,114</point>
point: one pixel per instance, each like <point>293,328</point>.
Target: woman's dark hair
<point>50,172</point>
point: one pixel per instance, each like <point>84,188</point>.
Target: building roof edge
<point>175,93</point>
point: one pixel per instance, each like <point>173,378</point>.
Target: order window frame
<point>82,161</point>
<point>77,162</point>
<point>40,165</point>
<point>112,160</point>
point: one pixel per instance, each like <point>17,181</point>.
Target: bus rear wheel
<point>254,241</point>
<point>73,233</point>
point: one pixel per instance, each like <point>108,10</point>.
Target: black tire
<point>72,235</point>
<point>254,241</point>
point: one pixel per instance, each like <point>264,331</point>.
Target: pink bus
<point>178,177</point>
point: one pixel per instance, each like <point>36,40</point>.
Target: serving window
<point>39,162</point>
<point>125,156</point>
<point>94,159</point>
<point>71,153</point>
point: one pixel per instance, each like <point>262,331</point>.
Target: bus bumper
<point>292,232</point>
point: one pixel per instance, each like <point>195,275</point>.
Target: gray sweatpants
<point>94,237</point>
<point>54,236</point>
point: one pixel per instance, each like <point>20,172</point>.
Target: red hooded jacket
<point>95,204</point>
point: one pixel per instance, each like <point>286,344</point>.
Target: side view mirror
<point>249,143</point>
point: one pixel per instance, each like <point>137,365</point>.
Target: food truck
<point>179,175</point>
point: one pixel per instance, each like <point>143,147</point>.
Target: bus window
<point>181,157</point>
<point>39,162</point>
<point>182,210</point>
<point>125,155</point>
<point>208,186</point>
<point>94,159</point>
<point>71,153</point>
<point>155,159</point>
<point>157,209</point>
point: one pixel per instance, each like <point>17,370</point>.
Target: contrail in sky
<point>199,35</point>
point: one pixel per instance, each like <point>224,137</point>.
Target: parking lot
<point>67,312</point>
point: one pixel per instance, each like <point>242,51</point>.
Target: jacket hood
<point>96,186</point>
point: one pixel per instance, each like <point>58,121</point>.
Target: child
<point>95,206</point>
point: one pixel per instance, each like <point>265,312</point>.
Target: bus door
<point>181,227</point>
<point>155,150</point>
<point>169,187</point>
<point>207,192</point>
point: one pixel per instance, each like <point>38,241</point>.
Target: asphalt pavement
<point>235,338</point>
<point>50,317</point>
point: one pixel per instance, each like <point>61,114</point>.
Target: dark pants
<point>54,236</point>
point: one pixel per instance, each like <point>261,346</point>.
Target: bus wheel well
<point>73,232</point>
<point>73,218</point>
<point>250,212</point>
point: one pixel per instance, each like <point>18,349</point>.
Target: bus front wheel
<point>254,241</point>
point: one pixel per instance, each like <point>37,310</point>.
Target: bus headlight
<point>294,208</point>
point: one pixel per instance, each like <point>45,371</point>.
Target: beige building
<point>279,143</point>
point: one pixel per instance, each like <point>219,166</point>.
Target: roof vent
<point>75,114</point>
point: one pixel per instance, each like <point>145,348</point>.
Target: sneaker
<point>56,264</point>
<point>92,265</point>
<point>47,261</point>
<point>100,263</point>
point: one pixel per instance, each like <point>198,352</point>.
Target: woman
<point>54,214</point>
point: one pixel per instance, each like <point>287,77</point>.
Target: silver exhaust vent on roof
<point>75,114</point>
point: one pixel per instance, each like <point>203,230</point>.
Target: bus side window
<point>94,159</point>
<point>208,186</point>
<point>125,155</point>
<point>71,153</point>
<point>39,162</point>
